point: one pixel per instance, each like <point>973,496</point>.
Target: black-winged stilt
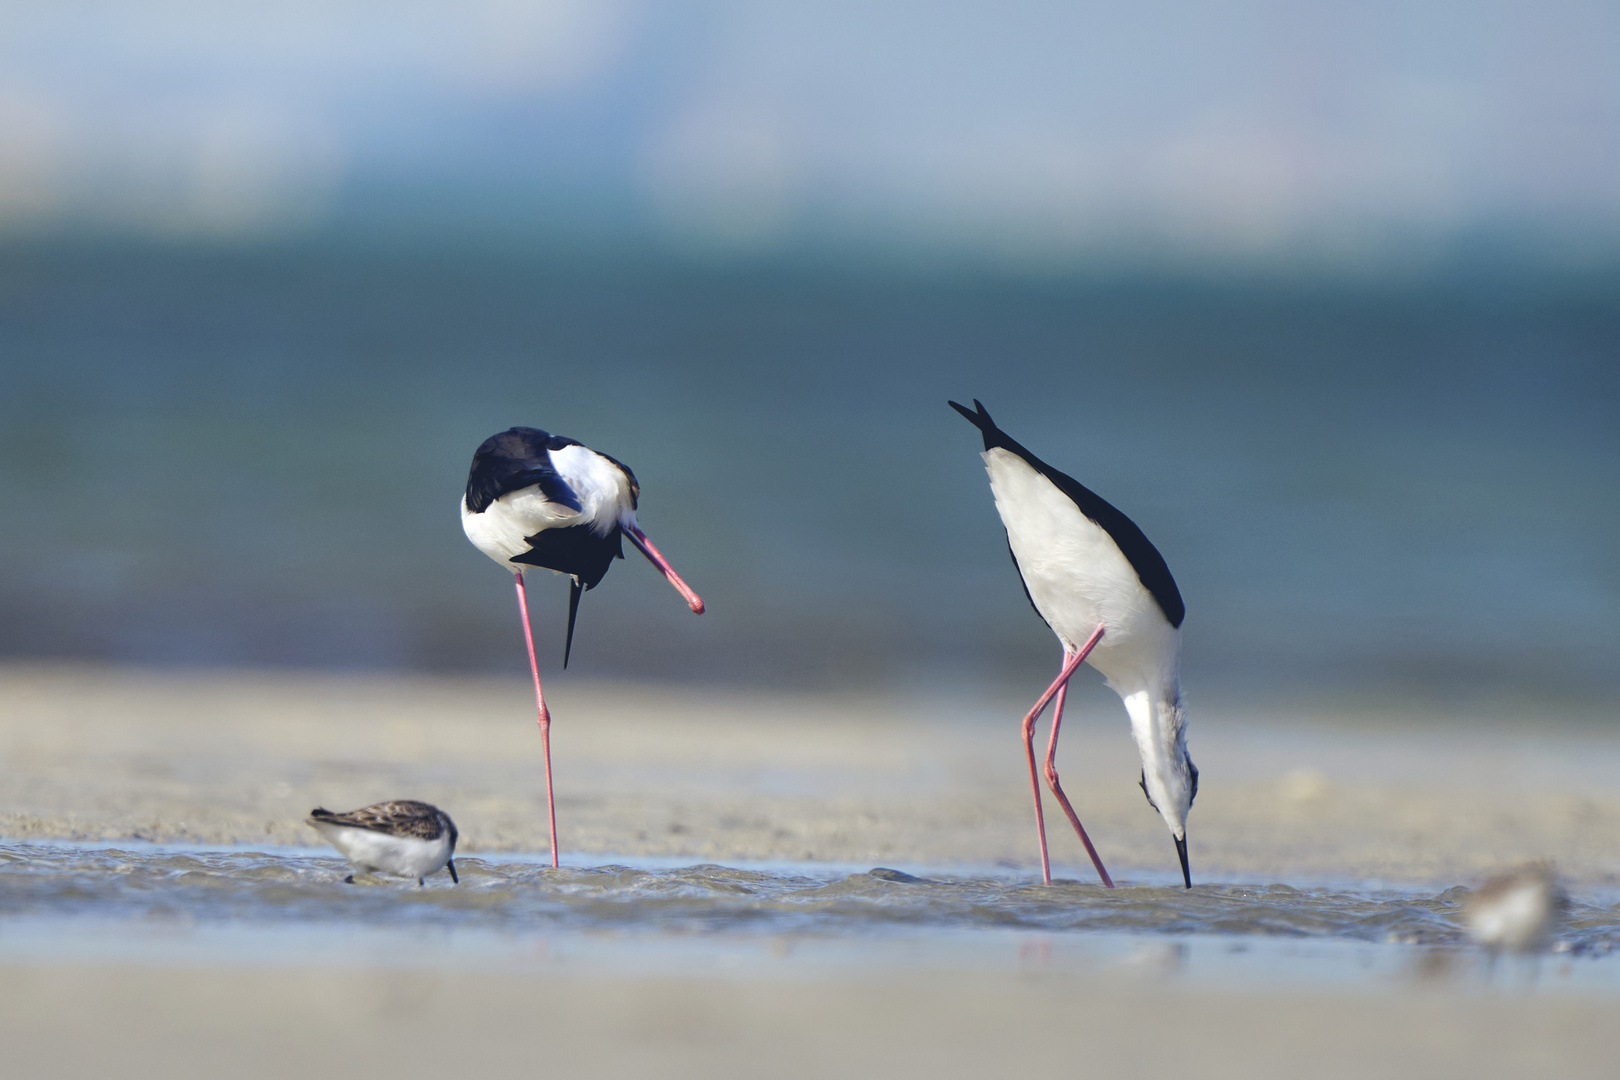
<point>1107,594</point>
<point>535,499</point>
<point>402,837</point>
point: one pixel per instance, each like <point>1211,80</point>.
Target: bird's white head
<point>1169,777</point>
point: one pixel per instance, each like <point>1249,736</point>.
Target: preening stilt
<point>535,499</point>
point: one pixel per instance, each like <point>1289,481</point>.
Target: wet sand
<point>315,1022</point>
<point>92,754</point>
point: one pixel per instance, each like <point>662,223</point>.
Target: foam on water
<point>160,904</point>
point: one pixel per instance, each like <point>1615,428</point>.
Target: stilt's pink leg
<point>1035,788</point>
<point>545,714</point>
<point>1051,762</point>
<point>656,557</point>
<point>1034,714</point>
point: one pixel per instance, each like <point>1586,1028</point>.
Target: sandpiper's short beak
<point>451,866</point>
<point>1181,849</point>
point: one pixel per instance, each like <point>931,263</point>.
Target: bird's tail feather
<point>574,591</point>
<point>993,436</point>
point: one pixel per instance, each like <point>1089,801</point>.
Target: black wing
<point>513,460</point>
<point>574,550</point>
<point>1151,569</point>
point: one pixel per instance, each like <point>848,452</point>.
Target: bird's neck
<point>1157,719</point>
<point>1159,724</point>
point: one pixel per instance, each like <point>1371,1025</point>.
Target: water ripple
<point>283,887</point>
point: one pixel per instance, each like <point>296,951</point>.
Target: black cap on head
<point>1181,849</point>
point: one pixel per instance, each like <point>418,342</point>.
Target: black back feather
<point>513,460</point>
<point>575,550</point>
<point>1151,569</point>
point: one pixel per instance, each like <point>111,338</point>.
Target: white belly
<point>1078,578</point>
<point>381,853</point>
<point>502,530</point>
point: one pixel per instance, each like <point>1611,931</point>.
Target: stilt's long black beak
<point>1181,849</point>
<point>451,866</point>
<point>574,590</point>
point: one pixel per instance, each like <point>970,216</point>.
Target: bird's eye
<point>1193,770</point>
<point>1142,783</point>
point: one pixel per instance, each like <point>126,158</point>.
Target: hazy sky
<point>1339,128</point>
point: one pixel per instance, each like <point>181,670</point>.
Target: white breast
<point>377,852</point>
<point>501,531</point>
<point>602,487</point>
<point>1079,579</point>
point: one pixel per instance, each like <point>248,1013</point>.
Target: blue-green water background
<point>252,456</point>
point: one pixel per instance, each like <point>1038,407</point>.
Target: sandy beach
<point>99,754</point>
<point>319,1022</point>
<point>95,754</point>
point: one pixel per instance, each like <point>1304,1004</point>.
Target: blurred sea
<point>252,457</point>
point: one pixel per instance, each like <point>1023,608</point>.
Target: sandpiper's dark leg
<point>1051,757</point>
<point>544,713</point>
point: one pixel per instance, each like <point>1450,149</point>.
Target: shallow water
<point>1357,489</point>
<point>156,903</point>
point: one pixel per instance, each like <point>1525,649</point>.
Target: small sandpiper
<point>402,837</point>
<point>1518,910</point>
